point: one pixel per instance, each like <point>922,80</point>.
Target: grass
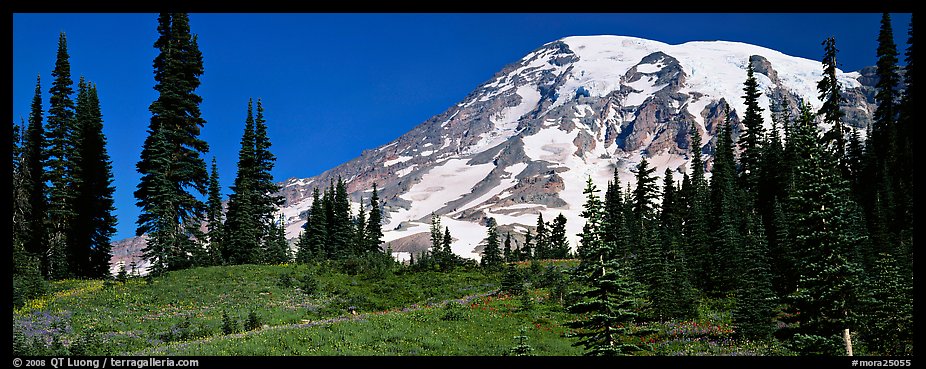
<point>320,309</point>
<point>188,304</point>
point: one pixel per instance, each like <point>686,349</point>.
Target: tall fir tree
<point>614,223</point>
<point>643,229</point>
<point>506,253</point>
<point>27,278</point>
<point>672,293</point>
<point>375,223</point>
<point>541,240</point>
<point>755,300</point>
<point>830,95</point>
<point>35,155</point>
<point>277,247</point>
<point>726,210</point>
<point>559,244</point>
<point>360,231</point>
<point>750,141</point>
<point>214,215</point>
<point>340,238</point>
<point>825,241</point>
<point>317,226</point>
<point>96,224</point>
<point>266,192</point>
<point>61,165</point>
<point>241,244</point>
<point>170,161</point>
<point>491,254</point>
<point>608,300</point>
<point>695,219</point>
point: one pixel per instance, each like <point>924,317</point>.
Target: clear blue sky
<point>336,84</point>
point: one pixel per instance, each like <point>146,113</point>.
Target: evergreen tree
<point>328,207</point>
<point>214,215</point>
<point>317,227</point>
<point>512,281</point>
<point>340,238</point>
<point>541,240</point>
<point>825,241</point>
<point>437,239</point>
<point>451,258</point>
<point>27,278</point>
<point>61,164</point>
<point>890,309</point>
<point>525,252</point>
<point>609,300</point>
<point>831,98</point>
<point>241,244</point>
<point>671,292</point>
<point>267,200</point>
<point>755,300</point>
<point>695,220</point>
<point>170,161</point>
<point>93,229</point>
<point>491,254</point>
<point>772,189</point>
<point>507,251</point>
<point>726,206</point>
<point>559,244</point>
<point>34,151</point>
<point>375,223</point>
<point>643,228</point>
<point>360,231</point>
<point>277,248</point>
<point>751,139</point>
<point>614,222</point>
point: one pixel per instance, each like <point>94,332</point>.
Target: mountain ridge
<point>523,142</point>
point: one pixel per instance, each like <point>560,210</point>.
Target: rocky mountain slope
<point>524,142</point>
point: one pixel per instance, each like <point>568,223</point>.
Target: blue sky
<point>336,84</point>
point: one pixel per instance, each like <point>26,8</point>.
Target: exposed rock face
<point>524,142</point>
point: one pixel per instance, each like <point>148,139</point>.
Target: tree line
<point>807,228</point>
<point>62,186</point>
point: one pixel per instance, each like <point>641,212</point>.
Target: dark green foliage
<point>541,240</point>
<point>267,200</point>
<point>34,152</point>
<point>609,305</point>
<point>276,250</point>
<point>339,235</point>
<point>317,230</point>
<point>90,249</point>
<point>694,230</point>
<point>591,244</point>
<point>506,254</point>
<point>828,87</point>
<point>512,281</point>
<point>644,227</point>
<point>726,201</point>
<point>308,284</point>
<point>229,325</point>
<point>826,238</point>
<point>527,303</point>
<point>614,222</point>
<point>491,254</point>
<point>170,163</point>
<point>375,223</point>
<point>214,216</point>
<point>525,252</point>
<point>559,244</point>
<point>360,231</point>
<point>242,230</point>
<point>522,349</point>
<point>27,278</point>
<point>253,322</point>
<point>755,301</point>
<point>671,293</point>
<point>889,309</point>
<point>61,165</point>
<point>750,141</point>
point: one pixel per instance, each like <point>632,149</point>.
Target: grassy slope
<point>399,314</point>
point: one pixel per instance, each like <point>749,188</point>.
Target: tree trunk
<point>848,339</point>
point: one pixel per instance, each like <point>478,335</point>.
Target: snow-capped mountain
<point>525,141</point>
